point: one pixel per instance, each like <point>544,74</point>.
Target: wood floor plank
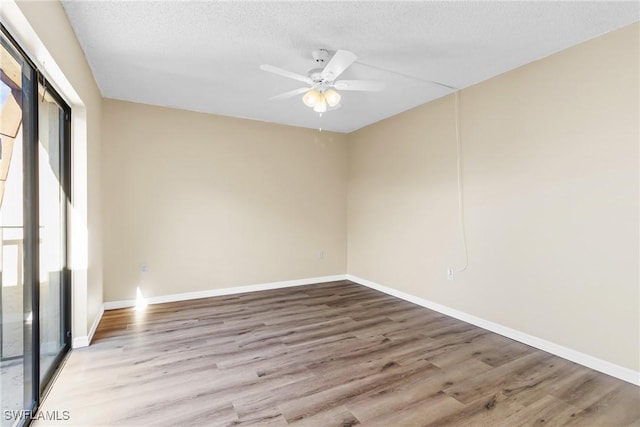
<point>337,416</point>
<point>343,393</point>
<point>617,407</point>
<point>430,406</point>
<point>499,378</point>
<point>332,354</point>
<point>395,397</point>
<point>547,410</point>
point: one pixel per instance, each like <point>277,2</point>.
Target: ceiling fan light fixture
<point>312,98</point>
<point>321,92</point>
<point>332,97</point>
<point>321,105</point>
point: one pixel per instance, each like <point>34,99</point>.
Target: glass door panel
<point>15,298</point>
<point>52,232</point>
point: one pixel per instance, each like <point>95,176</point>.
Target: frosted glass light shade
<point>311,98</point>
<point>321,105</point>
<point>332,97</point>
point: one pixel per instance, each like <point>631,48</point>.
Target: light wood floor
<point>334,354</point>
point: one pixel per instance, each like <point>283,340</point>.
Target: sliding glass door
<point>34,188</point>
<point>16,367</point>
<point>52,229</point>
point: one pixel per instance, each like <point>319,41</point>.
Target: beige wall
<point>211,202</point>
<point>550,163</point>
<point>43,30</point>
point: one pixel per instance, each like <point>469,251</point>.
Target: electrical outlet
<point>450,273</point>
<point>144,268</point>
<point>321,254</point>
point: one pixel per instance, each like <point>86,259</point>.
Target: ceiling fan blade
<point>291,93</point>
<point>364,85</point>
<point>285,73</point>
<point>340,62</point>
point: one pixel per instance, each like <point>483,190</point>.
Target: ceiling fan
<point>322,88</point>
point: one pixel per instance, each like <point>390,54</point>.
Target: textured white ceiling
<point>204,56</point>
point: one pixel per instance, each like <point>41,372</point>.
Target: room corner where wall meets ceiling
<point>550,174</point>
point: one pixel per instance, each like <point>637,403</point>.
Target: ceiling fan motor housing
<point>320,56</point>
<point>315,74</point>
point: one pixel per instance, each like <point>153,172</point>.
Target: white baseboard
<point>84,341</point>
<point>592,362</point>
<point>113,305</point>
<point>95,324</point>
<point>79,342</point>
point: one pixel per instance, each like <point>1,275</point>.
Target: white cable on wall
<point>461,223</point>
